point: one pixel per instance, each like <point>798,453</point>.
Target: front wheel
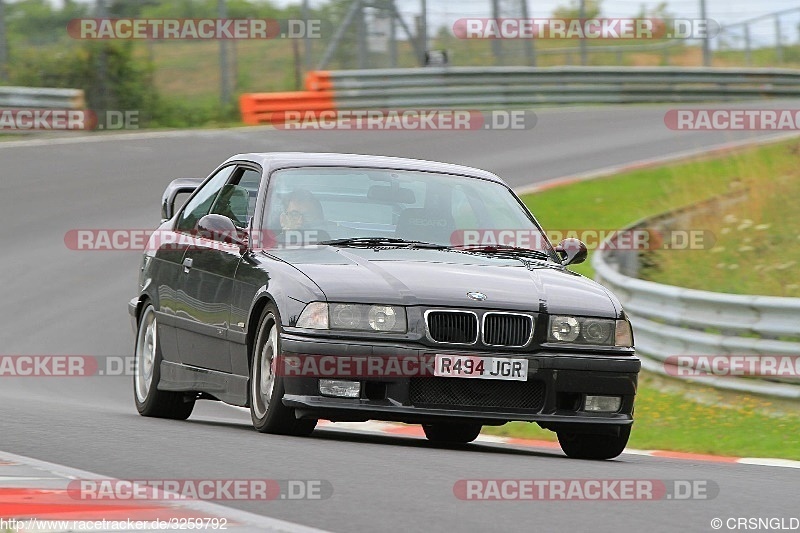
<point>147,372</point>
<point>447,433</point>
<point>266,390</point>
<point>597,447</point>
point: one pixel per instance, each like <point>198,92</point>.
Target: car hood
<point>443,278</point>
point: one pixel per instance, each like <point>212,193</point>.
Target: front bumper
<point>561,380</point>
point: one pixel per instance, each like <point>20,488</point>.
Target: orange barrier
<point>319,80</point>
<point>268,108</point>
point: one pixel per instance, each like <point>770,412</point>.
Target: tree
<point>591,10</point>
<point>661,17</point>
<point>34,22</point>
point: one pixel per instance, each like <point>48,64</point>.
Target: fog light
<point>340,388</point>
<point>606,404</point>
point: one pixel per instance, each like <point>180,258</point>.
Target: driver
<point>302,219</point>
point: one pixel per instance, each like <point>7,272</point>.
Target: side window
<point>200,205</point>
<point>237,199</point>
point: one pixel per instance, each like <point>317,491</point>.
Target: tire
<point>266,389</point>
<point>147,373</point>
<point>595,447</point>
<point>447,433</point>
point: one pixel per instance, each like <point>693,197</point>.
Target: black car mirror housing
<point>220,228</point>
<point>572,251</point>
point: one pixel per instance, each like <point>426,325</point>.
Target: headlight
<point>385,318</point>
<point>314,316</point>
<point>564,328</point>
<point>593,331</point>
<point>345,316</point>
<point>362,317</point>
<point>623,334</point>
<point>353,317</point>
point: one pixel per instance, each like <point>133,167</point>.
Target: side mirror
<point>572,251</point>
<point>220,228</point>
<point>176,187</point>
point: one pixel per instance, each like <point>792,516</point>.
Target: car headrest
<point>234,202</point>
<point>421,224</point>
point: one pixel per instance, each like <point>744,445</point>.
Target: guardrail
<point>39,97</point>
<point>258,108</point>
<point>481,87</point>
<point>670,321</point>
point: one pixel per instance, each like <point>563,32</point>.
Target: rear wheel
<point>597,447</point>
<point>147,372</point>
<point>448,433</point>
<point>267,411</point>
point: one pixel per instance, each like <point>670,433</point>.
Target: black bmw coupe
<point>346,287</point>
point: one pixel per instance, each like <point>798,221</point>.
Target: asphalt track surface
<point>59,301</point>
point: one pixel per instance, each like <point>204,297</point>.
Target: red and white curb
<point>34,498</point>
<point>395,430</point>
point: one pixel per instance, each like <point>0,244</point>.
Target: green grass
<point>614,202</point>
<point>691,418</point>
<point>759,57</point>
<point>756,248</point>
<point>190,70</point>
<point>677,415</point>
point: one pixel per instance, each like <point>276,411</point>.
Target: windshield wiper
<point>371,242</point>
<point>501,249</point>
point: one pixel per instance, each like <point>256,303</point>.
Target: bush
<point>114,79</point>
<point>106,71</point>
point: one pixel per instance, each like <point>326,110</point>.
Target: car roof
<point>271,161</point>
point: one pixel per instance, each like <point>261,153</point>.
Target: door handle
<point>187,265</point>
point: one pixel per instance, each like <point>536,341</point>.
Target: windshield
<point>447,210</point>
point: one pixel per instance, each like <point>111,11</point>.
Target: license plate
<point>477,367</point>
